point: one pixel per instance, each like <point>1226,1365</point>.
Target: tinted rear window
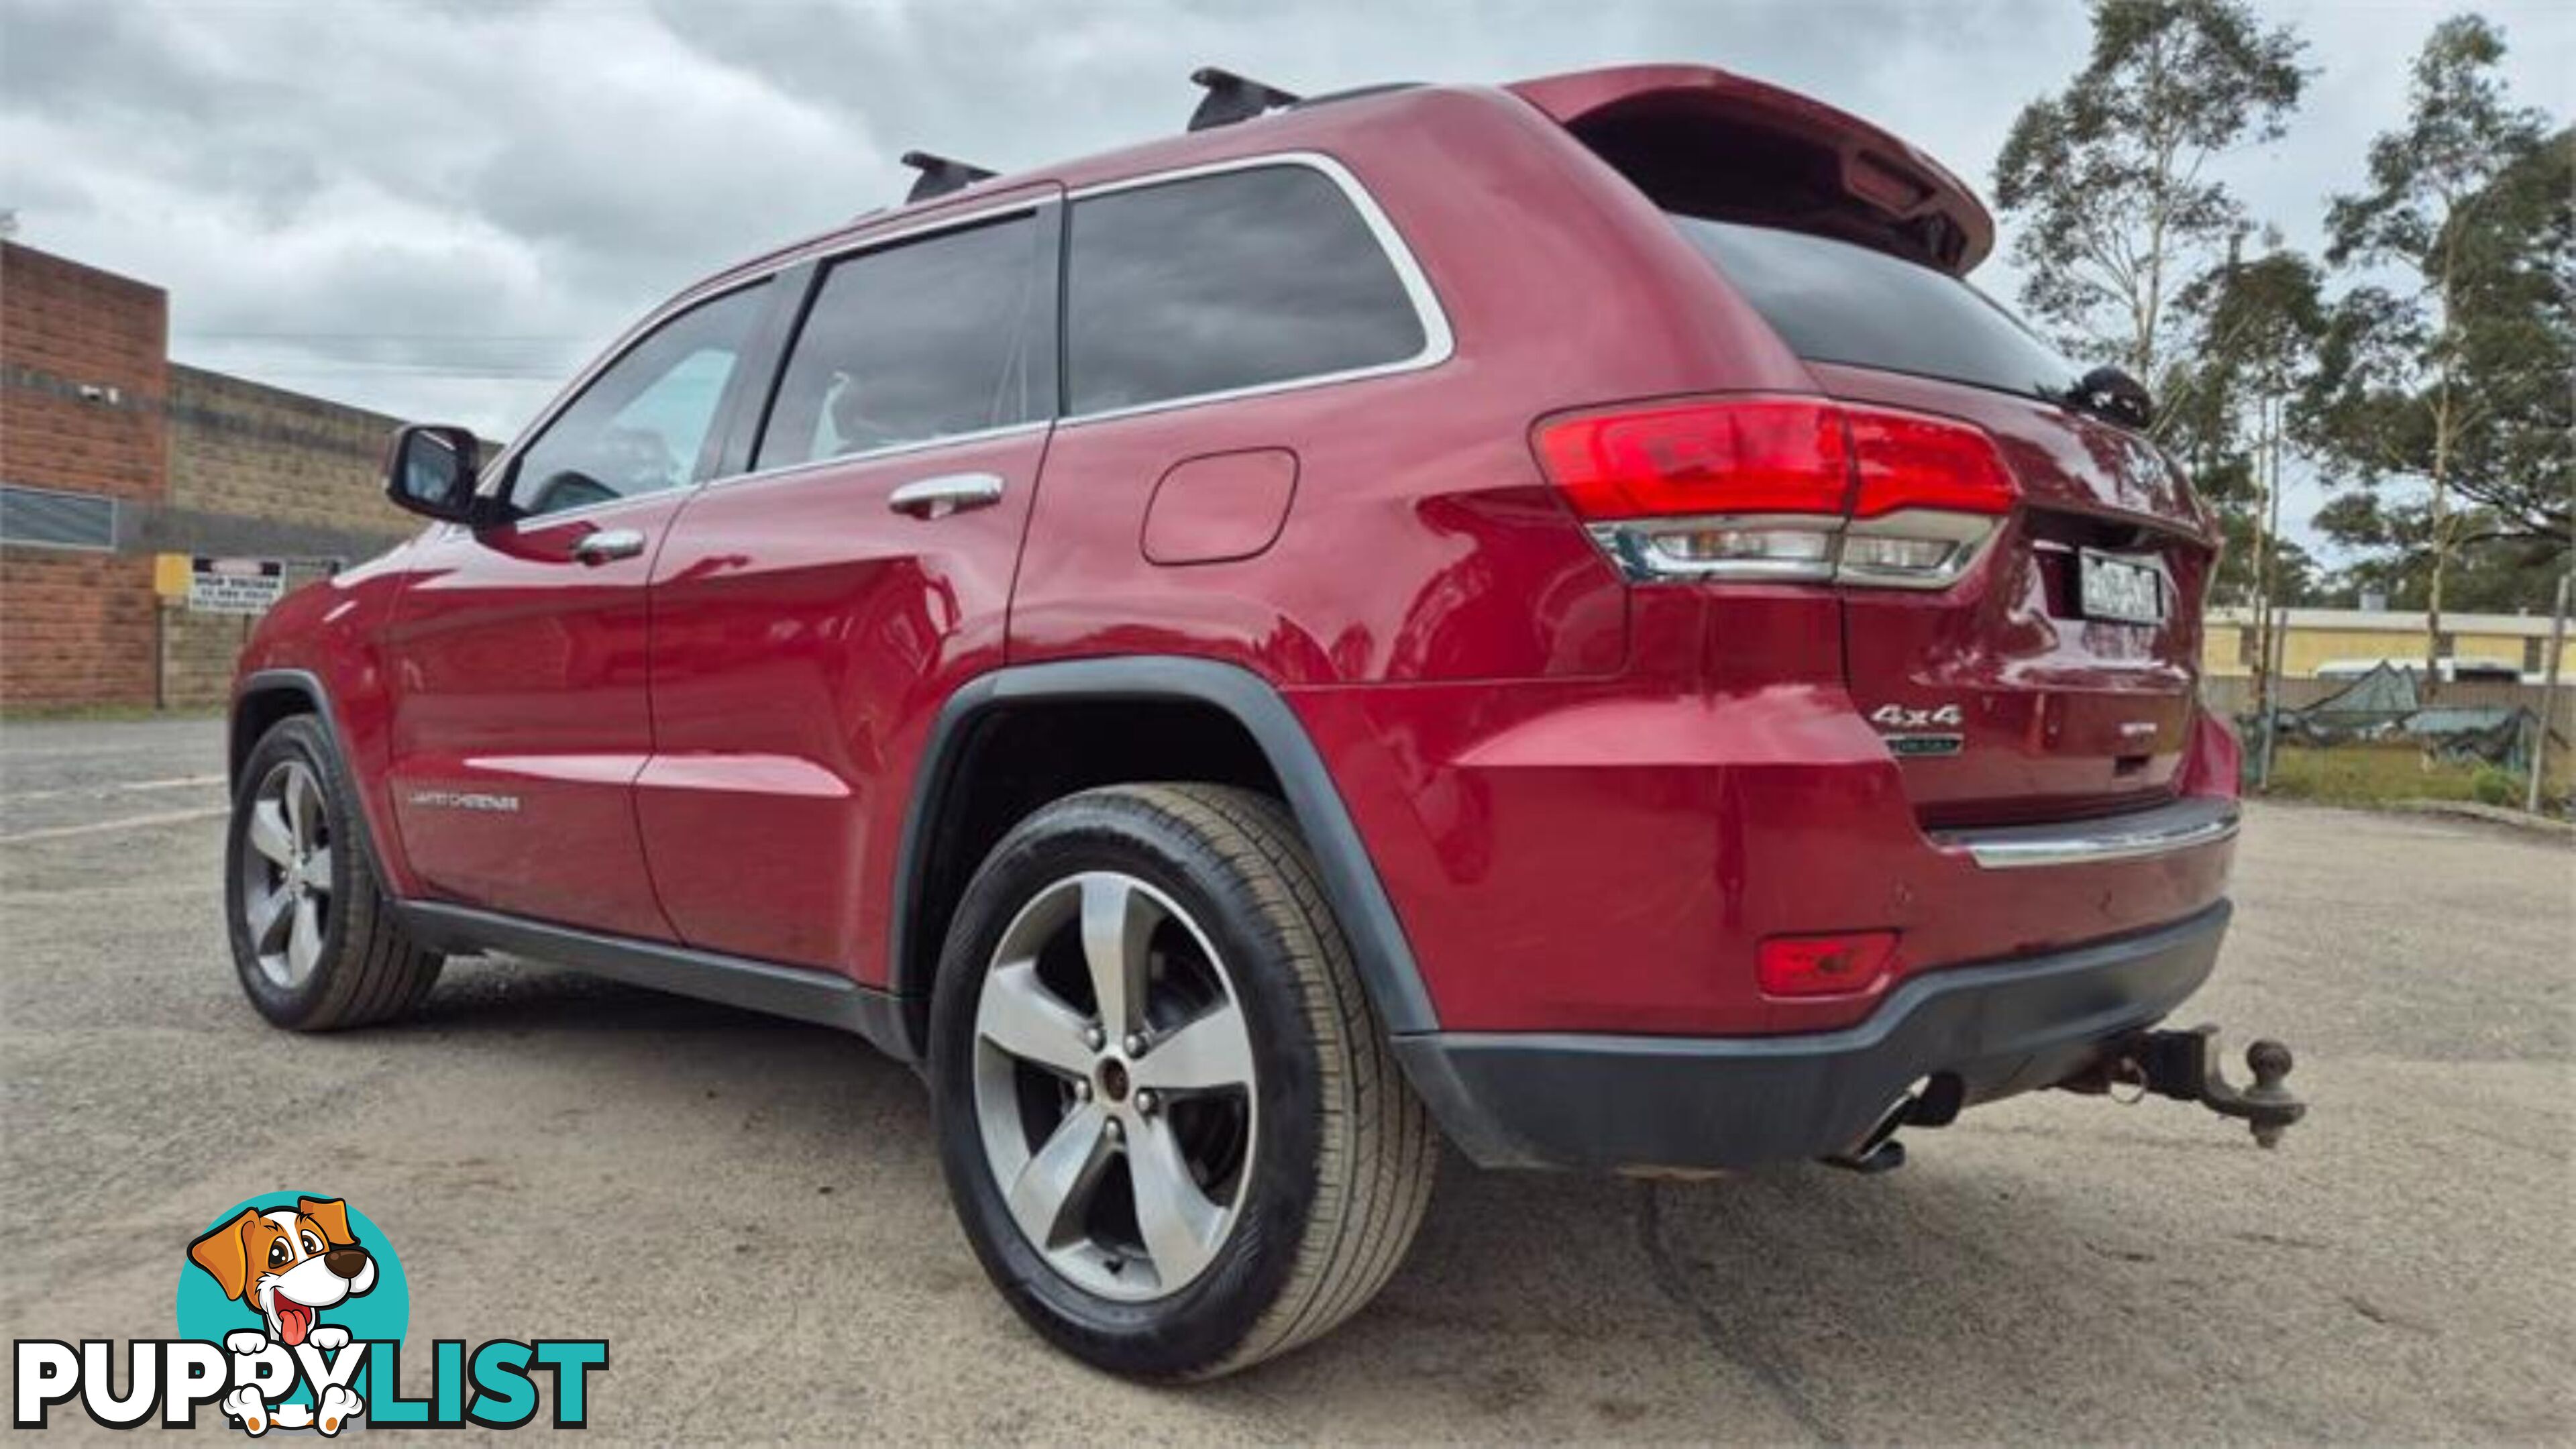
<point>1226,281</point>
<point>1835,302</point>
<point>925,339</point>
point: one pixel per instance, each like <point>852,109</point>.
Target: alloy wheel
<point>287,873</point>
<point>1114,1086</point>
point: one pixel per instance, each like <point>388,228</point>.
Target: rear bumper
<point>1591,858</point>
<point>1618,1101</point>
<point>2185,824</point>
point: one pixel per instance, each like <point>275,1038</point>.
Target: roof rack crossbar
<point>941,175</point>
<point>1231,98</point>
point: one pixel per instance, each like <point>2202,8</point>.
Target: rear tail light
<point>1851,964</point>
<point>1781,488</point>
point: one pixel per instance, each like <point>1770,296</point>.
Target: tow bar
<point>2184,1065</point>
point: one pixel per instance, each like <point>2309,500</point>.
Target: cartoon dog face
<point>288,1265</point>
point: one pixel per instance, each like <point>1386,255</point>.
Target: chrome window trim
<point>2183,824</point>
<point>869,455</point>
<point>1439,343</point>
<point>602,508</point>
<point>834,248</point>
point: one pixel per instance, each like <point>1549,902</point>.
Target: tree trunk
<point>2264,517</point>
<point>2441,558</point>
<point>2443,423</point>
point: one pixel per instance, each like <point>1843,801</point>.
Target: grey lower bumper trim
<point>2183,825</point>
<point>1614,1102</point>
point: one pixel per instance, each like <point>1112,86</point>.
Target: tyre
<point>1170,1126</point>
<point>315,940</point>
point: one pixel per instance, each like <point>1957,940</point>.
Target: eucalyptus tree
<point>2109,180</point>
<point>2447,368</point>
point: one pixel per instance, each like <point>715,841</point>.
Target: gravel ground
<point>751,1210</point>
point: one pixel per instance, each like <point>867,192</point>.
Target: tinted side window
<point>925,339</point>
<point>1226,281</point>
<point>1832,301</point>
<point>642,425</point>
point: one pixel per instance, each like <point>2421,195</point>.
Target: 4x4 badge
<point>1916,733</point>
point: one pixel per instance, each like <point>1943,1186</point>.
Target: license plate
<point>2120,588</point>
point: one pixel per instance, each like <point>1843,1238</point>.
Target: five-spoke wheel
<point>315,942</point>
<point>1174,1134</point>
<point>287,881</point>
<point>1113,1085</point>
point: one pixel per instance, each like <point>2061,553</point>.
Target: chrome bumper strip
<point>2182,825</point>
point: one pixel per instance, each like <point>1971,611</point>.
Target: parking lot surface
<point>751,1211</point>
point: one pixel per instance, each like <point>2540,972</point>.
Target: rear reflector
<point>1762,487</point>
<point>1850,964</point>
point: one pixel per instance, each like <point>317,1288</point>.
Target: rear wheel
<point>1173,1132</point>
<point>315,940</point>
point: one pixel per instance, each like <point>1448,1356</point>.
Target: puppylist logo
<point>291,1314</point>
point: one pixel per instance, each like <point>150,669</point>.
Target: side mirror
<point>431,471</point>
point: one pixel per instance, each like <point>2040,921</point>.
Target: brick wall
<point>242,450</point>
<point>198,652</point>
<point>75,628</point>
<point>199,462</point>
<point>82,386</point>
<point>83,355</point>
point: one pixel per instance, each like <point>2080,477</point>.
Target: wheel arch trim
<point>303,682</point>
<point>1350,878</point>
<point>373,813</point>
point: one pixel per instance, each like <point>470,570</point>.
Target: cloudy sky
<point>439,209</point>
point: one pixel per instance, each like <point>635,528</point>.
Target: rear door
<point>2021,691</point>
<point>519,650</point>
<point>810,615</point>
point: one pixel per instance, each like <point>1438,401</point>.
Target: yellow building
<point>2317,637</point>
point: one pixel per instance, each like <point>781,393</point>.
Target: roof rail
<point>1231,98</point>
<point>941,175</point>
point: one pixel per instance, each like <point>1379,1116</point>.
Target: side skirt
<point>826,998</point>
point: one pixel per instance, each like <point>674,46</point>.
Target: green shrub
<point>2494,785</point>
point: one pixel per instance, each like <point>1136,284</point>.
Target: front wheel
<point>315,940</point>
<point>1174,1134</point>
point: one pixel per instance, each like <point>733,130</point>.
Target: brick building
<point>111,454</point>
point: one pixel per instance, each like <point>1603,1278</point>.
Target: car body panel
<point>520,717</point>
<point>804,635</point>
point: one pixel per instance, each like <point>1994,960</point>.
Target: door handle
<point>601,545</point>
<point>946,494</point>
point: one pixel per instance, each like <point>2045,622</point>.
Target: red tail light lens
<point>1906,461</point>
<point>1756,455</point>
<point>1850,964</point>
<point>1798,489</point>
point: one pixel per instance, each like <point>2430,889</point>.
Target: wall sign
<point>234,585</point>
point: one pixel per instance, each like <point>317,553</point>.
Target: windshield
<point>1832,301</point>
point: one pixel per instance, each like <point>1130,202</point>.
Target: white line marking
<point>182,782</point>
<point>170,817</point>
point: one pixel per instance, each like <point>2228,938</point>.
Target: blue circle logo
<point>294,1268</point>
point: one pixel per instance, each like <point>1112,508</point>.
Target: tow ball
<point>2184,1065</point>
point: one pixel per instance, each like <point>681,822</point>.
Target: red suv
<point>1550,613</point>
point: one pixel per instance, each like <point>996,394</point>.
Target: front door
<point>519,651</point>
<point>810,616</point>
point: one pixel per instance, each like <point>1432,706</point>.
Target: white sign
<point>235,585</point>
